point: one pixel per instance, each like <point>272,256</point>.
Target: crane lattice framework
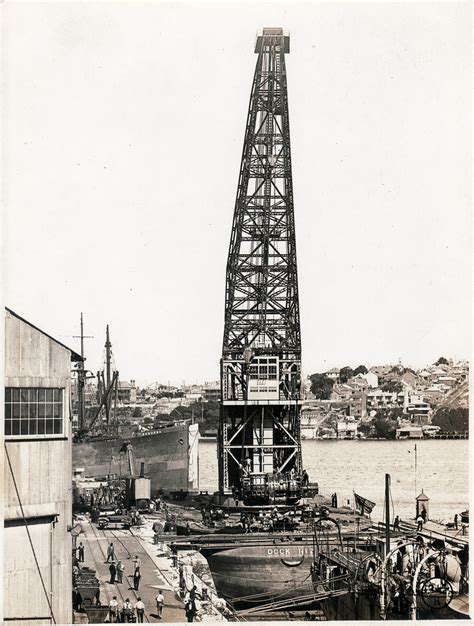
<point>259,437</point>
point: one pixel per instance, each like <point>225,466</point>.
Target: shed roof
<point>74,355</point>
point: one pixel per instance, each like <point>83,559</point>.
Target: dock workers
<point>191,604</point>
<point>137,562</point>
<point>136,574</point>
<point>136,579</point>
<point>127,611</point>
<point>157,528</point>
<point>160,601</point>
<point>113,571</point>
<point>110,553</point>
<point>113,610</point>
<point>140,609</point>
<point>304,479</point>
<point>120,570</point>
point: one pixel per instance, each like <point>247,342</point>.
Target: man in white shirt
<point>120,571</point>
<point>113,609</point>
<point>160,601</point>
<point>140,609</point>
<point>127,611</point>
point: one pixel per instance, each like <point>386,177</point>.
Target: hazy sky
<point>124,126</point>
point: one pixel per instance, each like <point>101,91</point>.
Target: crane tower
<point>259,429</point>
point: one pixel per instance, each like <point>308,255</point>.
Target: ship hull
<point>169,456</point>
<point>255,575</point>
<point>350,607</point>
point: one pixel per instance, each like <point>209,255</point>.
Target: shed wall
<point>42,471</point>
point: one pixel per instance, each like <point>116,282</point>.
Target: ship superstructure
<point>259,435</point>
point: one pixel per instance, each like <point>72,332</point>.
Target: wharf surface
<point>435,530</point>
<point>153,569</point>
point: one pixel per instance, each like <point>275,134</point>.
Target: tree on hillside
<point>207,412</point>
<point>442,361</point>
<point>321,386</point>
<point>169,394</point>
<point>163,417</point>
<point>451,420</point>
<point>384,428</point>
<point>365,428</point>
<point>346,373</point>
<point>389,414</point>
<point>393,386</point>
<point>360,370</point>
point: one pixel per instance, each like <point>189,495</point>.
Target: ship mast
<point>259,429</point>
<point>108,347</point>
<point>81,378</point>
<point>107,384</point>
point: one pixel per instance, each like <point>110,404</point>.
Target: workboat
<point>418,580</point>
<point>410,574</point>
<point>168,453</point>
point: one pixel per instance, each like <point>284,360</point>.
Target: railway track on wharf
<point>106,536</point>
<point>127,546</point>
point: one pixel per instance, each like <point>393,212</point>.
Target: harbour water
<point>360,466</point>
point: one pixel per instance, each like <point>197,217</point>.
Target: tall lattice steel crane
<point>259,434</point>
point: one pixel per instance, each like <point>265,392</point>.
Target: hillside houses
<point>378,399</point>
<point>333,374</point>
<point>371,379</point>
<point>409,396</point>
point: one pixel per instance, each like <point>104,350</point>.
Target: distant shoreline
<point>439,438</point>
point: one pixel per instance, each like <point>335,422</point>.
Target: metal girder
<point>261,352</point>
<point>261,281</point>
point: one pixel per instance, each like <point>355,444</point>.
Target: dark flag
<point>363,506</point>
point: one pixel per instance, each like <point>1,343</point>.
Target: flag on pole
<point>363,506</point>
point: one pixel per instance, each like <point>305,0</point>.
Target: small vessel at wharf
<point>413,573</point>
<point>170,453</point>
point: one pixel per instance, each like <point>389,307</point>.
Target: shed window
<point>35,412</point>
